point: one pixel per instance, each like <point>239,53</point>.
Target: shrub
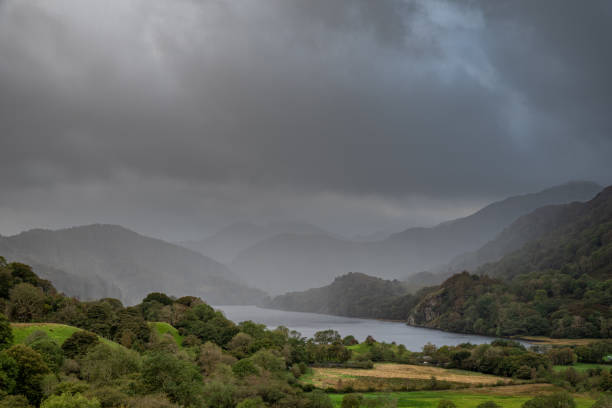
<point>351,401</point>
<point>15,401</point>
<point>318,399</point>
<point>179,379</point>
<point>70,401</point>
<point>558,400</point>
<point>244,367</point>
<point>446,404</point>
<point>488,404</point>
<point>251,403</point>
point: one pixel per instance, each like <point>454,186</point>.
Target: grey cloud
<point>283,100</point>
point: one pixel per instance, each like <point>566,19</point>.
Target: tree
<point>6,333</point>
<point>8,373</point>
<point>30,370</point>
<point>51,353</point>
<point>79,343</point>
<point>179,379</point>
<point>26,303</point>
<point>70,401</point>
<point>327,337</point>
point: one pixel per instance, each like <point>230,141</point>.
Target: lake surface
<point>308,323</point>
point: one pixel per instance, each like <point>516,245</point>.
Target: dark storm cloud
<point>267,102</point>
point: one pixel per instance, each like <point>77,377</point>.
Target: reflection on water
<point>308,323</point>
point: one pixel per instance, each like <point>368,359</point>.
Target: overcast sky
<point>176,117</point>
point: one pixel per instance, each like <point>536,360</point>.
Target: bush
<point>79,343</point>
<point>244,367</point>
<point>51,353</point>
<point>251,403</point>
<point>488,404</point>
<point>103,364</point>
<point>351,401</point>
<point>446,404</point>
<point>70,401</point>
<point>15,401</point>
<point>318,399</point>
<point>558,400</point>
<point>179,379</point>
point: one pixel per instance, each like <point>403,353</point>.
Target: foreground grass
<point>57,332</point>
<point>582,366</point>
<point>162,328</point>
<point>471,399</point>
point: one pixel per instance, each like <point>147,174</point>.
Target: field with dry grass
<point>398,376</point>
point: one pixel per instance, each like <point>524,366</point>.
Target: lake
<point>308,323</point>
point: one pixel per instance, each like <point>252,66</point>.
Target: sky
<point>178,117</point>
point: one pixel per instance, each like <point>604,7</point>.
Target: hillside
<point>353,295</point>
<point>124,259</point>
<point>558,284</point>
<point>292,262</point>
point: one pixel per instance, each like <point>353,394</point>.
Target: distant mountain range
<point>98,261</point>
<point>225,244</point>
<point>299,261</point>
<point>552,275</point>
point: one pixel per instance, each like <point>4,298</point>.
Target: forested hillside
<point>559,284</point>
<point>353,295</point>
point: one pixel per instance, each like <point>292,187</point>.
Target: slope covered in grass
<point>57,332</point>
<point>162,328</point>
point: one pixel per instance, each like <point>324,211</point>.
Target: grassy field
<point>558,342</point>
<point>57,332</point>
<point>162,328</point>
<point>507,397</point>
<point>582,367</point>
<point>395,375</point>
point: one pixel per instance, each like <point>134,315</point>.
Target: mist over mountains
<point>300,261</point>
<point>129,264</point>
<point>97,261</point>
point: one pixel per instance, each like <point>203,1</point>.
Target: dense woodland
<point>559,285</point>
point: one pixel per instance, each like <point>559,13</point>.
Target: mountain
<point>130,264</point>
<point>294,262</point>
<point>554,280</point>
<point>353,295</point>
<point>525,229</point>
<point>559,283</point>
<point>225,244</point>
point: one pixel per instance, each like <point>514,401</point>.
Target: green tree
<point>51,353</point>
<point>79,343</point>
<point>327,337</point>
<point>26,303</point>
<point>6,333</point>
<point>30,370</point>
<point>179,379</point>
<point>8,373</point>
<point>70,401</point>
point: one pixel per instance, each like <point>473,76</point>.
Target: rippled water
<point>308,323</point>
